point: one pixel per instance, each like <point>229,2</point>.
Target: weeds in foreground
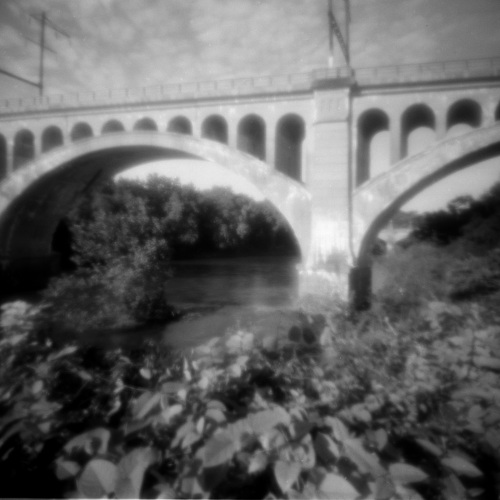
<point>378,410</point>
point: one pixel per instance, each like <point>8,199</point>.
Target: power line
<point>44,22</point>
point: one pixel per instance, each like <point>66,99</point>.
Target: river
<point>217,294</point>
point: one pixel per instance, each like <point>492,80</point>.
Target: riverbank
<point>327,409</point>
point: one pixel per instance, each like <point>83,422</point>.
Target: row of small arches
<point>251,138</point>
<point>418,129</point>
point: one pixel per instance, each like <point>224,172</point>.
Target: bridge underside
<point>34,199</point>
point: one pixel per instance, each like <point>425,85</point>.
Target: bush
<point>378,410</point>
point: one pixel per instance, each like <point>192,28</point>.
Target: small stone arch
<point>416,116</point>
<point>290,135</point>
<point>52,137</point>
<point>497,113</point>
<point>80,131</point>
<point>145,123</point>
<point>252,136</point>
<point>464,111</point>
<point>214,127</point>
<point>3,157</point>
<point>112,126</point>
<point>180,125</point>
<point>370,123</point>
<point>24,147</point>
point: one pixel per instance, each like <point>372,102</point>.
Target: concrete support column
<point>232,134</point>
<point>360,286</point>
<point>488,111</point>
<point>10,156</point>
<point>37,144</point>
<point>395,131</point>
<point>328,180</point>
<point>271,144</point>
<point>440,126</point>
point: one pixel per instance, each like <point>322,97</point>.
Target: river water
<point>218,294</point>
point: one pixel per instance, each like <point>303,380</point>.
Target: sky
<point>133,43</point>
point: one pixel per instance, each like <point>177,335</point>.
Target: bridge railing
<point>434,71</point>
<point>173,91</point>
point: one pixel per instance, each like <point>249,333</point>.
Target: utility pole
<point>42,53</point>
<point>44,23</point>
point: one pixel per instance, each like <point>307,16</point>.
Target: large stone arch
<point>376,201</point>
<point>35,198</point>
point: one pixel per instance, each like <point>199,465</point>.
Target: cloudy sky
<point>127,43</point>
<point>132,43</point>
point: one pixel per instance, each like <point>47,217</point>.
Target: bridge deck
<point>298,82</point>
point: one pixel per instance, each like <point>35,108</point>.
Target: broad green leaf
<point>488,362</point>
<point>461,466</point>
<point>66,469</point>
<point>145,373</point>
<point>263,421</point>
<point>339,430</point>
<point>190,439</point>
<point>380,437</point>
<point>258,462</point>
<point>191,488</point>
<point>286,473</point>
<point>406,493</point>
<point>430,447</point>
<point>182,432</point>
<point>37,387</point>
<point>172,411</point>
<point>164,491</point>
<point>326,449</point>
<point>93,442</point>
<point>336,487</point>
<point>366,462</point>
<point>63,352</point>
<point>145,404</point>
<point>219,449</point>
<point>406,474</point>
<point>130,472</point>
<point>98,479</point>
<point>216,415</point>
<point>172,387</point>
<point>214,404</point>
<point>383,488</point>
<point>452,488</point>
<point>360,413</point>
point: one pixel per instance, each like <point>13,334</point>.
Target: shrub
<point>378,410</point>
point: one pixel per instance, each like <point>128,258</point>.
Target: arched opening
<point>214,127</point>
<point>145,124</point>
<point>81,131</point>
<point>464,112</point>
<point>416,123</point>
<point>24,147</point>
<point>377,202</point>
<point>370,124</point>
<point>252,136</point>
<point>51,138</point>
<point>3,157</point>
<point>290,134</point>
<point>180,125</point>
<point>497,113</point>
<point>112,126</point>
<point>54,183</point>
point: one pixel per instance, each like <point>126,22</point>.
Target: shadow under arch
<point>34,199</point>
<point>377,201</point>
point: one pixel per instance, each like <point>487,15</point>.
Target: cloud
<point>130,43</point>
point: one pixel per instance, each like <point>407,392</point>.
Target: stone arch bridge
<point>306,141</point>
